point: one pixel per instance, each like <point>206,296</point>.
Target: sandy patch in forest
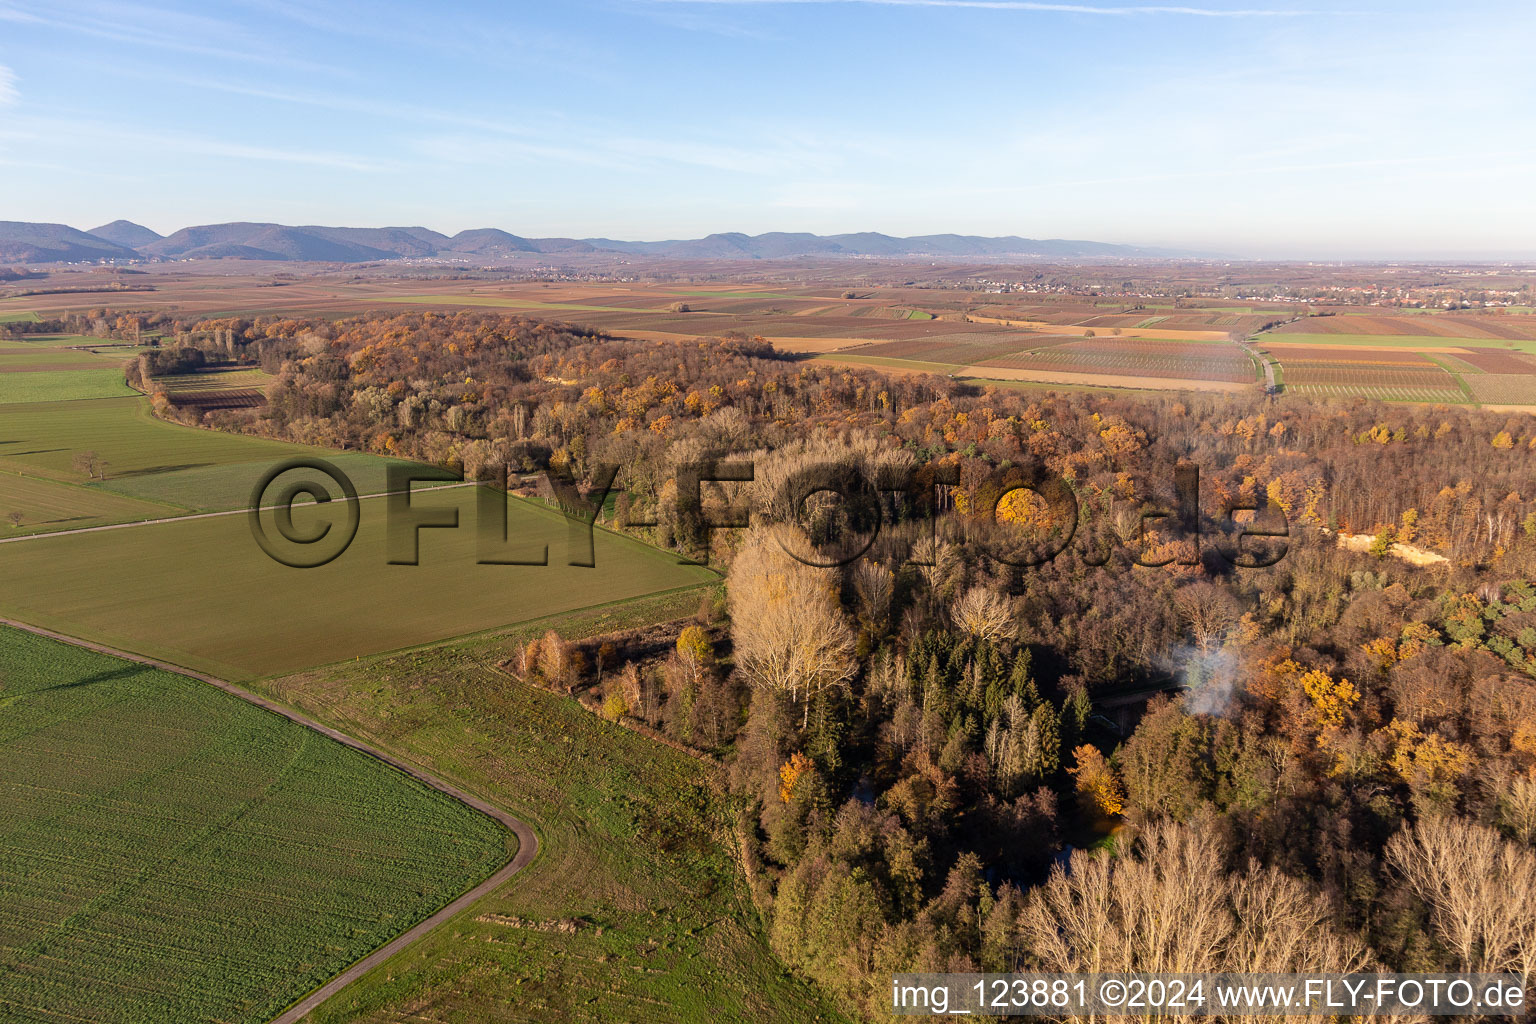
<point>1406,552</point>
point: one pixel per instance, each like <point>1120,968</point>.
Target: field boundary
<point>492,632</point>
<point>527,839</point>
<point>192,516</point>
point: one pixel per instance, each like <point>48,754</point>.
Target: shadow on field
<point>125,672</point>
<point>153,470</point>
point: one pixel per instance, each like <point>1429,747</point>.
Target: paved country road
<point>527,842</point>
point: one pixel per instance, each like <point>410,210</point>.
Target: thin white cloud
<point>8,94</point>
<point>1027,5</point>
<point>331,100</point>
<point>136,25</point>
<point>547,140</point>
<point>620,154</point>
<point>188,144</point>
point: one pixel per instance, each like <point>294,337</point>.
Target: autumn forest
<point>917,739</point>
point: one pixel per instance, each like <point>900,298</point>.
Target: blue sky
<point>1251,127</point>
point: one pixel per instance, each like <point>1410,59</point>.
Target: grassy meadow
<point>201,592</point>
<point>22,356</point>
<point>44,437</point>
<point>175,854</point>
<point>224,486</point>
<point>174,468</point>
<point>47,506</point>
<point>62,386</point>
<point>636,910</point>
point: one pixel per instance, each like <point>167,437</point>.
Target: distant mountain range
<point>23,242</point>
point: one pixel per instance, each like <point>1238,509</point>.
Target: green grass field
<point>218,488</point>
<point>62,386</point>
<point>22,356</point>
<point>49,505</point>
<point>43,438</point>
<point>201,592</point>
<point>99,347</point>
<point>637,856</point>
<point>150,459</point>
<point>153,470</point>
<point>175,854</point>
<point>66,341</point>
<point>19,318</point>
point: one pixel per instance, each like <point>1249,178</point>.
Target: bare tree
<point>91,464</point>
<point>985,615</point>
<point>1517,808</point>
<point>1208,611</point>
<point>1170,906</point>
<point>556,660</point>
<point>1480,889</point>
<point>875,585</point>
<point>789,631</point>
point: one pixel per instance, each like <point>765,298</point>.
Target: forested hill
<point>22,242</point>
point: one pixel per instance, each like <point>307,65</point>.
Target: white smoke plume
<point>1209,678</point>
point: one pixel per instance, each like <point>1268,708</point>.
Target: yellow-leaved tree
<point>789,774</point>
<point>1098,787</point>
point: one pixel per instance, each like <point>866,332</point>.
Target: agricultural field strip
<point>1455,364</point>
<point>515,303</point>
<point>214,380</point>
<point>1047,327</point>
<point>359,603</point>
<point>1488,328</point>
<point>1120,356</point>
<point>1502,388</point>
<point>46,504</point>
<point>1311,372</point>
<point>210,515</point>
<point>1097,381</point>
<point>62,385</point>
<point>1383,392</point>
<point>1393,375</point>
<point>1408,342</point>
<point>527,840</point>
